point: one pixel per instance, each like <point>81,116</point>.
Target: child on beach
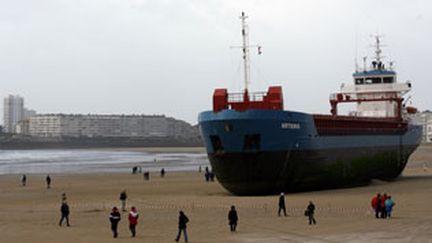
<point>133,220</point>
<point>114,219</point>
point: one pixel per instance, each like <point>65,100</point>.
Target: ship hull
<point>288,154</point>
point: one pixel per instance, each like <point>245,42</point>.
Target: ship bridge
<point>375,90</point>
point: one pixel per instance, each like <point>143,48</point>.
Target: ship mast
<point>245,48</point>
<point>378,50</point>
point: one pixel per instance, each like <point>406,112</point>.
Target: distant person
<point>376,205</point>
<point>114,219</point>
<point>383,208</point>
<point>134,170</point>
<point>64,209</point>
<point>162,172</point>
<point>64,197</point>
<point>23,180</point>
<point>123,197</point>
<point>146,175</point>
<point>389,206</point>
<point>48,181</point>
<point>133,220</point>
<point>139,169</point>
<point>183,220</point>
<point>282,204</point>
<point>310,211</point>
<point>199,169</point>
<point>232,219</point>
<point>207,176</point>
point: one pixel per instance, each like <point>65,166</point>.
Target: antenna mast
<point>378,50</point>
<point>245,48</point>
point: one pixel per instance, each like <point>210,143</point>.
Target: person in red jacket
<point>133,220</point>
<point>376,204</point>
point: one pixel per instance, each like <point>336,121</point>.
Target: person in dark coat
<point>23,180</point>
<point>114,219</point>
<point>123,197</point>
<point>310,211</point>
<point>64,209</point>
<point>232,219</point>
<point>183,220</point>
<point>282,204</point>
<point>48,181</point>
<point>162,172</point>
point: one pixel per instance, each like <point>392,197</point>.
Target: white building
<point>65,125</point>
<point>428,138</point>
<point>425,120</point>
<point>13,108</point>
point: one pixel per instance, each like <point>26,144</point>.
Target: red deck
<point>272,100</point>
<point>349,125</point>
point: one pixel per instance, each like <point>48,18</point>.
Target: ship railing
<point>239,97</point>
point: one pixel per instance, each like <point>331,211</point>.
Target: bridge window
<point>388,80</point>
<point>373,81</point>
<point>359,81</point>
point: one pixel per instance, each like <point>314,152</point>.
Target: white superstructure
<point>375,90</point>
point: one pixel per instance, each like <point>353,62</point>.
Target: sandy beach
<point>31,213</point>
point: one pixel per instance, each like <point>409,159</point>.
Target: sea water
<point>45,161</point>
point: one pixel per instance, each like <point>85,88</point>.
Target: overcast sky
<point>167,56</point>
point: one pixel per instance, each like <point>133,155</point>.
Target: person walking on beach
<point>183,220</point>
<point>64,209</point>
<point>389,206</point>
<point>310,211</point>
<point>133,220</point>
<point>23,180</point>
<point>123,197</point>
<point>232,219</point>
<point>162,172</point>
<point>376,204</point>
<point>114,219</point>
<point>383,207</point>
<point>282,204</point>
<point>48,181</point>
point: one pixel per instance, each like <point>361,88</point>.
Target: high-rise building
<point>13,108</point>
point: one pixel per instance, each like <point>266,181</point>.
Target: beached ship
<point>257,147</point>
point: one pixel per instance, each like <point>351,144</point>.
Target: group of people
<point>47,180</point>
<point>115,218</point>
<point>382,205</point>
<point>208,175</point>
<point>309,212</point>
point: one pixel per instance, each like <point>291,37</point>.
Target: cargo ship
<point>255,147</point>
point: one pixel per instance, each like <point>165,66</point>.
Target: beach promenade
<point>30,214</point>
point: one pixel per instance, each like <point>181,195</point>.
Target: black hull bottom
<point>264,173</point>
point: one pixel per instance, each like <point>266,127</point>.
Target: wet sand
<point>31,213</point>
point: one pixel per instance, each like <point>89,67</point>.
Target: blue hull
<point>268,151</point>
